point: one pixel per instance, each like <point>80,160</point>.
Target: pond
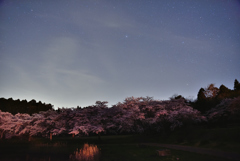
<point>76,151</point>
<point>86,152</point>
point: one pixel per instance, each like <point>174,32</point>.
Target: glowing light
<point>87,153</point>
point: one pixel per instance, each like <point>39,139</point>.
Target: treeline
<point>17,106</point>
<point>143,115</point>
<point>207,99</point>
<point>211,96</point>
<point>133,115</point>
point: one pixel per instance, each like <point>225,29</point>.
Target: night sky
<point>75,52</point>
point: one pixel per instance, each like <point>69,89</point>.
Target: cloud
<point>62,65</point>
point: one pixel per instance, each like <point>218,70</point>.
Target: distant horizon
<point>109,105</point>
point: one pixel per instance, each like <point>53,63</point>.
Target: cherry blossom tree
<point>133,115</point>
<point>226,111</point>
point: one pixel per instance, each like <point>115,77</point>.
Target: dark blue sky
<point>71,53</point>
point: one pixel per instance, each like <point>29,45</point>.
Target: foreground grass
<point>146,153</point>
<point>226,139</point>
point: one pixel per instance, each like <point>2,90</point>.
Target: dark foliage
<point>211,96</point>
<point>17,106</point>
<point>236,85</point>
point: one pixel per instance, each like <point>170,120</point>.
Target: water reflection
<point>87,153</point>
<point>45,152</point>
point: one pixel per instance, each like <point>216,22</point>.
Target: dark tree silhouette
<point>17,106</point>
<point>236,85</point>
<point>224,92</point>
<point>201,96</point>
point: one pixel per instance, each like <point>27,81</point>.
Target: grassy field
<point>226,139</point>
<point>148,153</point>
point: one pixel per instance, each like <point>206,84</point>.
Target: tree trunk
<point>50,136</point>
<point>29,138</point>
<point>99,137</point>
<point>2,135</point>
